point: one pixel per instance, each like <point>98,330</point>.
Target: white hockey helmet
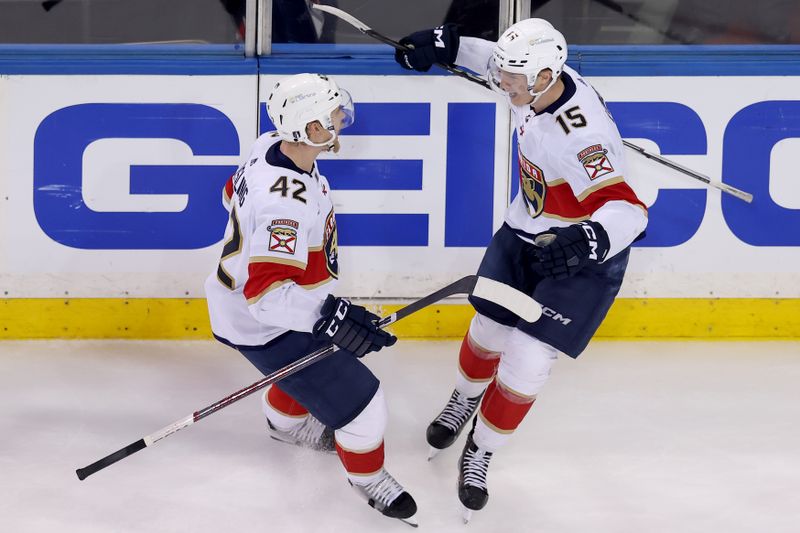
<point>301,99</point>
<point>528,47</point>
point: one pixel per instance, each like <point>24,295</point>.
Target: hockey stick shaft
<point>366,30</point>
<point>517,302</point>
<point>724,187</point>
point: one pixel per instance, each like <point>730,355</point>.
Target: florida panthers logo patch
<point>595,161</point>
<point>331,244</point>
<point>533,186</point>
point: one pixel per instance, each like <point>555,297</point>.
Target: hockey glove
<point>562,252</point>
<point>439,45</point>
<point>350,327</point>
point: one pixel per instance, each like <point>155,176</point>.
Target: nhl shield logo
<point>533,186</point>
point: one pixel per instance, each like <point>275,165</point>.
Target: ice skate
<point>311,434</point>
<point>388,497</point>
<point>473,466</point>
<point>445,428</point>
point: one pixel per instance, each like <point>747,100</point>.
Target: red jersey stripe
<point>617,191</point>
<point>562,203</point>
<point>262,276</point>
<point>227,192</point>
<point>267,273</point>
<point>317,269</point>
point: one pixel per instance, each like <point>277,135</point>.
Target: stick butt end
<point>130,449</point>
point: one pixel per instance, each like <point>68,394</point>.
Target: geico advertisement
<point>112,183</point>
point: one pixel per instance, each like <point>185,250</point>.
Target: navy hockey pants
<point>573,308</point>
<point>335,389</point>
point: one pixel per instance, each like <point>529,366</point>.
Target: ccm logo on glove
<point>427,47</point>
<point>561,253</point>
<point>592,237</point>
<point>341,312</point>
<point>350,327</point>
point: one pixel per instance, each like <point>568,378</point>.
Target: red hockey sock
<point>358,463</point>
<point>283,403</point>
<point>476,363</point>
<point>503,410</point>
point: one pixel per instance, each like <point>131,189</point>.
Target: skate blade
<point>433,452</point>
<point>466,514</point>
<point>301,444</point>
<point>283,439</point>
<point>411,521</point>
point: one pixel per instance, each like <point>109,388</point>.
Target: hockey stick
<point>366,30</point>
<point>724,187</point>
<point>619,8</point>
<point>515,301</point>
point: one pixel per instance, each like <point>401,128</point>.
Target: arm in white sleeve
<point>604,192</point>
<point>623,221</point>
<point>285,285</point>
<point>289,306</point>
<point>474,54</point>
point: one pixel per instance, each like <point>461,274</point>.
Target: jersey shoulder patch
<point>283,235</point>
<point>596,161</point>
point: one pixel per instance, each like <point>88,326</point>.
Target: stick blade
<point>738,193</point>
<point>508,297</point>
<point>347,17</point>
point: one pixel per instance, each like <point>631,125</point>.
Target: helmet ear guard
<point>299,100</point>
<point>528,47</point>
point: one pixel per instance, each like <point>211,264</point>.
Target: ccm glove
<point>439,45</point>
<point>562,252</point>
<point>350,327</point>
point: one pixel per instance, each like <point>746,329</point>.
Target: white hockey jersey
<point>279,261</point>
<point>571,161</point>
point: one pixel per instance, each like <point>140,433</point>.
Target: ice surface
<point>632,437</point>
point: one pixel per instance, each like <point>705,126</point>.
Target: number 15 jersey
<point>571,162</point>
<point>572,167</point>
<point>279,261</point>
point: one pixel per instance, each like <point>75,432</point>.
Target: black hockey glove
<point>439,45</point>
<point>350,327</point>
<point>562,252</point>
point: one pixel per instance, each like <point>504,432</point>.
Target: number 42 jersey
<point>279,260</point>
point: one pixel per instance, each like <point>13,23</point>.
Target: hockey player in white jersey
<point>270,295</point>
<point>565,239</point>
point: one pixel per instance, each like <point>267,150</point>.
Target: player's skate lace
<point>457,411</point>
<point>384,490</point>
<point>388,497</point>
<point>476,467</point>
<point>311,433</point>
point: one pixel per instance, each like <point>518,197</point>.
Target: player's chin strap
<point>331,145</point>
<point>538,95</point>
<point>334,146</point>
